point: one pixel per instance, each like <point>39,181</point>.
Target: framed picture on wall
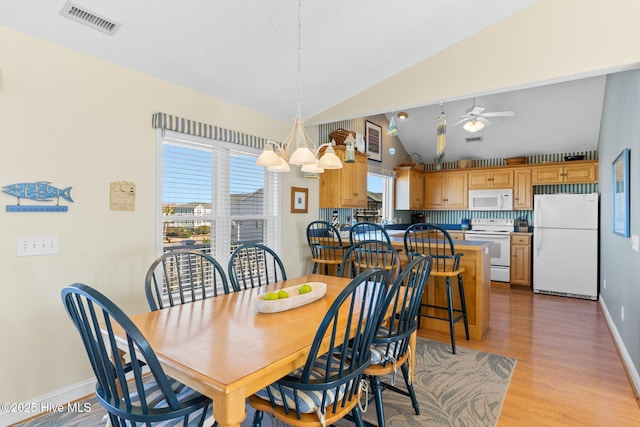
<point>299,200</point>
<point>620,194</point>
<point>373,139</point>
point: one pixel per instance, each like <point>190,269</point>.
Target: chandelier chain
<point>299,54</point>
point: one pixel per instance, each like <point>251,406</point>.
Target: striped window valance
<point>204,130</point>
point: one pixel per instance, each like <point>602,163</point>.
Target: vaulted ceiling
<point>246,53</point>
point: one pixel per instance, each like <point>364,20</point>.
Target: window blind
<point>213,196</point>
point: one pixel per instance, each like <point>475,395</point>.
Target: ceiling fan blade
<point>466,119</point>
<point>475,111</point>
<point>485,121</point>
<point>498,114</point>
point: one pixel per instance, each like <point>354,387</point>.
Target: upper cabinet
<point>346,187</point>
<point>495,178</point>
<point>446,190</point>
<point>578,172</point>
<point>522,189</point>
<point>409,189</point>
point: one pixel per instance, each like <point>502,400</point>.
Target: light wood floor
<point>568,371</point>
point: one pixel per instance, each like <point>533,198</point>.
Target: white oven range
<point>497,231</point>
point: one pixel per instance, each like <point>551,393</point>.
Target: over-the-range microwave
<point>491,200</point>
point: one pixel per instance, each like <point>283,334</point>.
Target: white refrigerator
<point>565,245</point>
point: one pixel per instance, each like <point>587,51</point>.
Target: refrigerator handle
<point>536,211</point>
<point>538,242</point>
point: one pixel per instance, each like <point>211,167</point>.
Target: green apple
<point>271,296</point>
<point>305,288</point>
<point>283,294</point>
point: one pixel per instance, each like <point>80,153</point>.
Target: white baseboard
<point>626,358</point>
<point>42,404</point>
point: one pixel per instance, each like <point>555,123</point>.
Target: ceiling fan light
<point>473,125</point>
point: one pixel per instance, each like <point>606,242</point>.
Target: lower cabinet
<point>521,259</point>
<point>456,235</point>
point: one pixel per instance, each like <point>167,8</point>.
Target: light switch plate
<point>634,242</point>
<point>37,245</point>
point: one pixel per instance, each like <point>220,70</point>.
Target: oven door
<point>500,252</point>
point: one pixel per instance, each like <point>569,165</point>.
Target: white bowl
<point>318,289</point>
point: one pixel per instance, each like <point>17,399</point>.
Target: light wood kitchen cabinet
<point>521,259</point>
<point>446,190</point>
<point>522,190</point>
<point>409,189</point>
<point>485,179</point>
<point>456,235</point>
<point>577,172</point>
<point>346,187</point>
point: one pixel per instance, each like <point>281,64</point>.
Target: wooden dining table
<point>225,349</point>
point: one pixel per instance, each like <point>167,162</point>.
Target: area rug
<point>463,389</point>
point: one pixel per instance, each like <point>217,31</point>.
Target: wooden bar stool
<point>429,239</point>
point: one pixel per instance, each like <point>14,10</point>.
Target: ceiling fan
<point>476,118</point>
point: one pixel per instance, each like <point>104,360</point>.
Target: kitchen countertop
<point>398,236</point>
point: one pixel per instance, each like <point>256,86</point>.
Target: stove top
<point>492,225</point>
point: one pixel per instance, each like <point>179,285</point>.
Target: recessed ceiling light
<point>402,115</point>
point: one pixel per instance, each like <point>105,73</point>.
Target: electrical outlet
<point>604,284</point>
<point>634,242</point>
<point>622,313</point>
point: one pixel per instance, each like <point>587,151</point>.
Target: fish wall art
<point>41,191</point>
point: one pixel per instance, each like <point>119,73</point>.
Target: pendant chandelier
<point>298,148</point>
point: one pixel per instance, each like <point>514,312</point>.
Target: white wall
<point>549,41</point>
<point>77,121</point>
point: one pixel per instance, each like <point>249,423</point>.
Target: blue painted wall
<point>619,264</point>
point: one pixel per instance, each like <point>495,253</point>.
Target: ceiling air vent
<point>473,139</point>
<point>89,19</point>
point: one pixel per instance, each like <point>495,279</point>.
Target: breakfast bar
<point>477,288</point>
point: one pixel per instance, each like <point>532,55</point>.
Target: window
<point>380,187</point>
<point>213,196</point>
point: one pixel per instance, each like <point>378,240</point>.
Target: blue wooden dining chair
<point>254,264</point>
<point>326,247</point>
<point>370,254</point>
<point>130,394</point>
<point>327,388</point>
<point>390,348</point>
<point>368,231</point>
<point>430,239</point>
<point>183,275</point>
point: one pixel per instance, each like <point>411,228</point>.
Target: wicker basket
<point>339,135</point>
<point>465,163</point>
<point>408,161</point>
<point>510,161</point>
